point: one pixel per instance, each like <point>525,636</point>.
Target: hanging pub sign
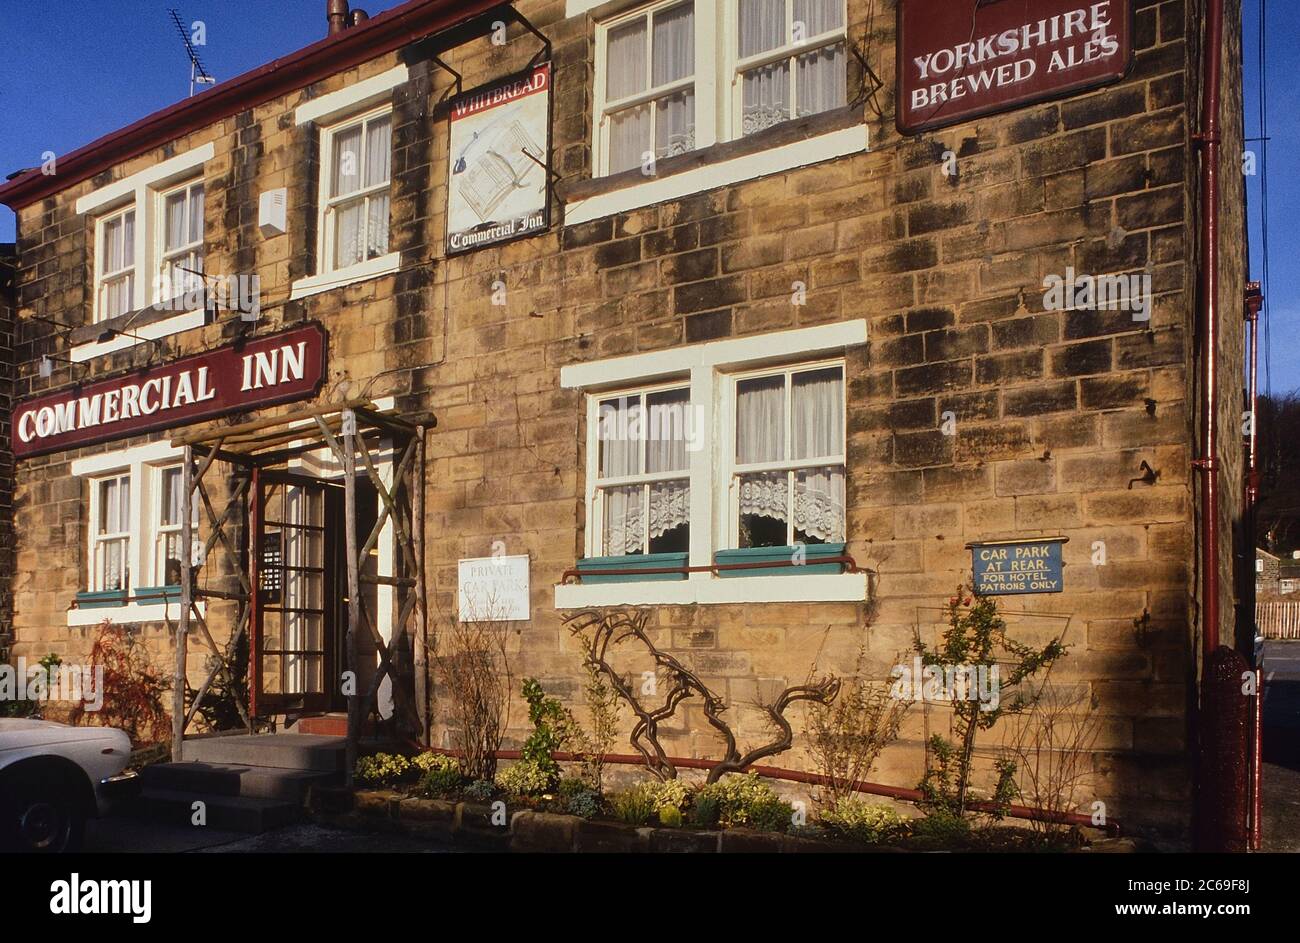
<point>1018,567</point>
<point>498,171</point>
<point>263,371</point>
<point>957,61</point>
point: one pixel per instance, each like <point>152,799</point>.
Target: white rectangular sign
<point>494,589</point>
<point>498,188</point>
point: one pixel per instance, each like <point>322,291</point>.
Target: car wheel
<point>41,817</point>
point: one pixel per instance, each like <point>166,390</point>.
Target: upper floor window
<point>355,182</point>
<point>789,61</point>
<point>115,266</point>
<point>181,241</point>
<point>673,76</point>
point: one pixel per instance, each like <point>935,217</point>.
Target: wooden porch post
<point>349,457</point>
<point>187,600</point>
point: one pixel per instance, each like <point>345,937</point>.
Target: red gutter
<point>817,779</point>
<point>1209,138</point>
<point>365,41</point>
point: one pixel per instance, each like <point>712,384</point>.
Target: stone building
<point>854,329</point>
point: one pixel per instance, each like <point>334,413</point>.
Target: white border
<point>121,190</point>
<point>763,163</point>
<point>340,277</point>
<point>822,339</point>
<point>144,333</point>
<point>359,95</point>
<point>820,587</point>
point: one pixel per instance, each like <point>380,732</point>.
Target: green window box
<point>752,555</point>
<point>103,599</point>
<point>630,565</point>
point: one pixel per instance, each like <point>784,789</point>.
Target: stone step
<point>296,751</point>
<point>222,813</point>
<point>256,782</point>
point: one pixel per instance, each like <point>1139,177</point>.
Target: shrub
<point>747,800</point>
<point>383,769</point>
<point>585,804</point>
<point>705,810</point>
<point>440,775</point>
<point>480,790</point>
<point>940,829</point>
<point>553,728</point>
<point>670,816</point>
<point>525,778</point>
<point>132,688</point>
<point>636,805</point>
<point>863,822</point>
<point>671,794</point>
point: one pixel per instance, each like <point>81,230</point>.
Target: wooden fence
<point>1278,619</point>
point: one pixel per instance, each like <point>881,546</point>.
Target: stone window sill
<point>340,278</point>
<point>783,147</point>
<point>143,326</point>
<point>704,589</point>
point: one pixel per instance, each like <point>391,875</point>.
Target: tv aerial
<point>198,74</point>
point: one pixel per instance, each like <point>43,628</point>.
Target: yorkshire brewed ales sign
<point>263,371</point>
<point>960,60</point>
<point>498,186</point>
<point>1015,567</point>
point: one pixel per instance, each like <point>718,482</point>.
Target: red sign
<point>960,60</point>
<point>263,371</point>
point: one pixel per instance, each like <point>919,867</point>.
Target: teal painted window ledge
<point>750,555</point>
<point>153,595</point>
<point>629,567</point>
<point>104,599</point>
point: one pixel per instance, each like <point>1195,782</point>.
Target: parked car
<point>53,777</point>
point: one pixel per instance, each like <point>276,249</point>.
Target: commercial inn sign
<point>957,61</point>
<point>277,368</point>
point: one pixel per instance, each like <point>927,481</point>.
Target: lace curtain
<point>368,216</point>
<point>821,73</point>
<point>624,426</point>
<point>379,149</point>
<point>817,432</point>
<point>671,48</point>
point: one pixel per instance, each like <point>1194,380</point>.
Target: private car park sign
<point>957,61</point>
<point>276,368</point>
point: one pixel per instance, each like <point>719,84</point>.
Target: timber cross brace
<point>354,434</point>
<point>611,628</point>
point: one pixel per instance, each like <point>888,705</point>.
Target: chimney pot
<point>336,12</point>
<point>359,16</point>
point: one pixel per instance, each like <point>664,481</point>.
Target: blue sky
<point>73,70</point>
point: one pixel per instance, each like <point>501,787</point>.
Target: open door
<point>296,533</point>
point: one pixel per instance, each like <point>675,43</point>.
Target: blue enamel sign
<point>1011,568</point>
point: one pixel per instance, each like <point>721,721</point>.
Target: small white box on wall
<point>272,211</point>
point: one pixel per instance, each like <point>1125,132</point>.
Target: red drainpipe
<point>1209,138</point>
<point>1254,301</point>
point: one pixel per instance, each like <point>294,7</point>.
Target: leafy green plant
<point>13,707</point>
<point>940,829</point>
<point>480,790</point>
<point>596,739</point>
<point>860,821</point>
<point>440,775</point>
<point>670,817</point>
<point>526,778</point>
<point>975,637</point>
<point>634,806</point>
<point>553,729</point>
<point>705,810</point>
<point>747,800</point>
<point>383,770</point>
<point>671,794</point>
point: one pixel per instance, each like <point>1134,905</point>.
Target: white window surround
<point>358,96</point>
<point>160,174</point>
<point>141,463</point>
<point>143,333</point>
<point>763,163</point>
<point>362,271</point>
<point>704,365</point>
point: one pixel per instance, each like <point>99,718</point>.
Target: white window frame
<point>595,497</point>
<point>789,51</point>
<point>100,540</point>
<point>719,90</point>
<point>732,469</point>
<point>326,205</point>
<point>139,191</point>
<point>143,466</point>
<point>710,370</point>
<point>102,276</point>
<point>162,287</point>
